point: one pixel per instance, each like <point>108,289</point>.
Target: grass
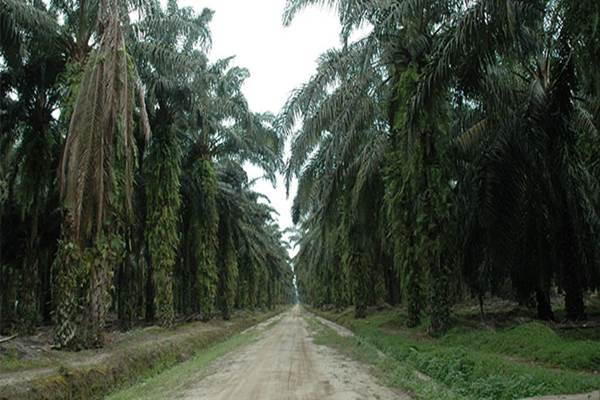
<point>173,380</point>
<point>11,361</point>
<point>474,363</point>
<point>532,341</point>
<point>391,372</point>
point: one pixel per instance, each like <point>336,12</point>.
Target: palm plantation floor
<point>476,361</point>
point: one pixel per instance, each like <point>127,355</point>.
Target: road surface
<point>285,364</point>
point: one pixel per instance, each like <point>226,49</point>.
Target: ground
<point>31,369</point>
<point>310,354</point>
<point>282,362</point>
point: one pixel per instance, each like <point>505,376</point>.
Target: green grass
<point>532,341</point>
<point>173,380</point>
<point>478,364</point>
<point>11,361</point>
<point>391,372</point>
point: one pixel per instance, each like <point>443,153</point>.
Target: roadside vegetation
<point>127,359</point>
<point>469,362</point>
<point>190,372</point>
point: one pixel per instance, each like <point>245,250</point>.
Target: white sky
<point>279,58</point>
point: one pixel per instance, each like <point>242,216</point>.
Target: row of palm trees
<point>151,214</point>
<point>450,151</point>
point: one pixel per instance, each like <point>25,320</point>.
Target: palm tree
<point>338,155</point>
<point>221,128</point>
<point>166,70</point>
<point>538,190</point>
<point>30,141</point>
<point>255,265</point>
<point>96,176</point>
<point>126,195</point>
<point>385,62</point>
<point>484,122</point>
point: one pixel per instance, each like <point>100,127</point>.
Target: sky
<point>279,59</point>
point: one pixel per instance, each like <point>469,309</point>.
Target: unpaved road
<point>285,364</point>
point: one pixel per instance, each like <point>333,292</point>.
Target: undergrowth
<point>473,363</point>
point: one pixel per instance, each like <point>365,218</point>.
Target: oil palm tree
<point>166,54</point>
<point>221,127</point>
<point>402,36</point>
<point>30,139</point>
<point>96,177</point>
<point>126,195</point>
<point>531,130</point>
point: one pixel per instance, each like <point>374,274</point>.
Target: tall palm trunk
<point>571,272</point>
<point>204,236</point>
<point>432,219</point>
<point>28,302</point>
<point>402,196</point>
<point>228,271</point>
<point>164,203</point>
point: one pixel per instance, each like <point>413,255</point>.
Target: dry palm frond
<point>100,133</point>
<point>473,135</point>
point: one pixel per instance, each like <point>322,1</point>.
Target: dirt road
<point>285,364</point>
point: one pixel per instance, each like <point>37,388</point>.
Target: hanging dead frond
<point>101,126</point>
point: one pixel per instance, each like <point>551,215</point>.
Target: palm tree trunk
<point>99,299</point>
<point>206,224</point>
<point>228,274</point>
<point>150,293</point>
<point>544,307</point>
<point>571,272</point>
<point>439,304</point>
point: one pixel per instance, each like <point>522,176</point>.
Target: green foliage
<point>71,79</point>
<point>477,120</point>
<point>204,222</point>
<point>82,290</point>
<point>162,223</point>
<point>228,269</point>
<point>532,341</point>
<point>18,16</point>
<point>462,366</point>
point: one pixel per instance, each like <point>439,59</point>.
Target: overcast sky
<point>279,58</point>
